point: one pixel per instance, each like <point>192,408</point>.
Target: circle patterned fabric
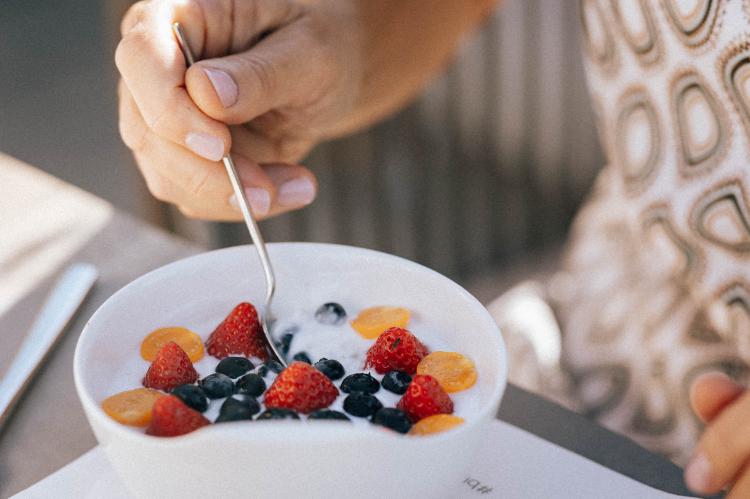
<point>656,285</point>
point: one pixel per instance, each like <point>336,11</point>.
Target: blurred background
<point>478,179</point>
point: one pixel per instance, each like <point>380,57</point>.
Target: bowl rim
<point>274,430</point>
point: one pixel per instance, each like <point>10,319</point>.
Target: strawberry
<point>425,397</point>
<point>396,349</point>
<point>171,367</point>
<point>302,388</point>
<point>171,417</point>
<point>239,333</point>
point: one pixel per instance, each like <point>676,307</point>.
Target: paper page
<point>512,464</point>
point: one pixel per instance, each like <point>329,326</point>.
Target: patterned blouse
<point>656,282</point>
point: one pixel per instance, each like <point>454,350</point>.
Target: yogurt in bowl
<point>290,458</point>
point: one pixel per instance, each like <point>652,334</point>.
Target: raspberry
<point>170,368</point>
<point>302,388</point>
<point>395,350</point>
<point>171,417</point>
<point>239,333</point>
<point>425,397</point>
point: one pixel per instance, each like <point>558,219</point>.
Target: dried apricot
<point>132,407</point>
<point>435,424</point>
<point>185,338</point>
<point>372,321</point>
<point>453,371</point>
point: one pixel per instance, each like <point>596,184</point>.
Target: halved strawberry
<point>171,417</point>
<point>170,368</point>
<point>396,349</point>
<point>302,388</point>
<point>425,397</point>
<point>239,333</point>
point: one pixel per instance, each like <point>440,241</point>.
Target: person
<point>650,314</point>
<point>277,77</point>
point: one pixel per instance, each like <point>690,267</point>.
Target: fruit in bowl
<point>237,345</point>
<point>436,368</point>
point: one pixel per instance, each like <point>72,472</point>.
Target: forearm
<point>404,44</point>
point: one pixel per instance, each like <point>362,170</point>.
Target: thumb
<point>238,88</point>
<point>711,392</point>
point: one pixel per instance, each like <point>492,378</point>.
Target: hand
<point>722,457</point>
<point>280,73</point>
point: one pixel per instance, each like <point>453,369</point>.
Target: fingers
<point>133,129</point>
<point>153,68</point>
<point>295,186</point>
<point>197,186</point>
<point>200,188</point>
<point>284,68</point>
<point>711,393</point>
<point>177,145</point>
<point>723,449</point>
<point>254,142</point>
<point>741,488</point>
<point>132,17</point>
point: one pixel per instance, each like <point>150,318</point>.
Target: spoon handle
<point>247,214</point>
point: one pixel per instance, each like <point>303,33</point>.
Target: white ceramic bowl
<point>283,459</point>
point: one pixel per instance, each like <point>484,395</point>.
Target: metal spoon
<point>266,318</point>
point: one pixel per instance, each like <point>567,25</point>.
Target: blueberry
<point>332,314</point>
<point>193,397</point>
<point>285,343</point>
<point>331,368</point>
<point>396,382</point>
<point>328,414</point>
<point>251,384</point>
<point>392,418</point>
<point>361,404</point>
<point>302,357</point>
<point>217,385</point>
<point>275,413</point>
<point>234,367</point>
<point>270,365</point>
<point>235,409</point>
<point>285,340</point>
<point>360,382</point>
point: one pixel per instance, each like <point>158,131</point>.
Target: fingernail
<point>224,86</point>
<point>698,473</point>
<point>297,192</point>
<point>259,199</point>
<point>205,145</point>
